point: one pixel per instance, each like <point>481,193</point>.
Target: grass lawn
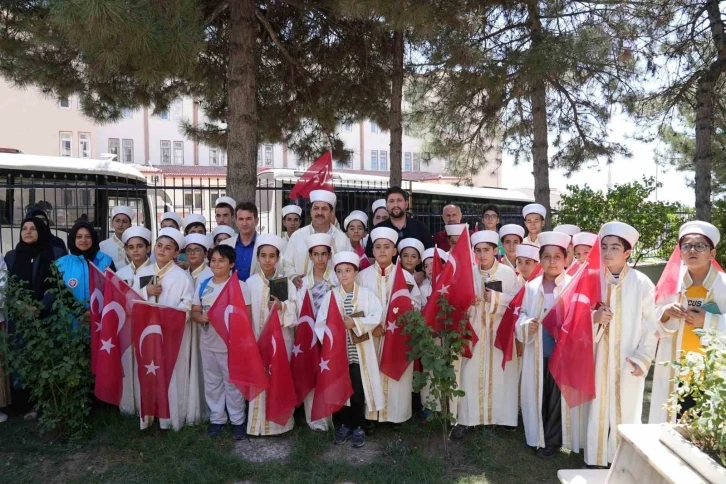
<point>117,451</point>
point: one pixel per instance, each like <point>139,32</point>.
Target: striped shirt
<point>348,310</point>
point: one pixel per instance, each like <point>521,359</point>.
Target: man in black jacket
<point>397,206</point>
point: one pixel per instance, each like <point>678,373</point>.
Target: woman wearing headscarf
<point>54,239</point>
<point>83,242</point>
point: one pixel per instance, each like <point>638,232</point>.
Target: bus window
<point>133,200</point>
<point>64,204</point>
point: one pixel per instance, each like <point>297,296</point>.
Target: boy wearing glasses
<point>691,295</point>
<point>624,332</point>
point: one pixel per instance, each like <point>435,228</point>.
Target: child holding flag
<point>428,266</point>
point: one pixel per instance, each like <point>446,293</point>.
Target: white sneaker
<point>3,417</point>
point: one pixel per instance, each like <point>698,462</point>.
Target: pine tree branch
<point>221,7</point>
<point>273,35</point>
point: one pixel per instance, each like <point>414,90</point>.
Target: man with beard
<point>296,259</point>
<point>452,216</point>
<point>407,227</point>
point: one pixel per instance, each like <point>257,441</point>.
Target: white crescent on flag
<point>452,262</point>
<point>274,346</point>
<point>307,319</point>
<point>97,297</point>
<point>397,294</point>
<point>119,310</point>
<point>329,334</point>
<point>580,299</point>
<point>151,329</point>
<point>230,310</point>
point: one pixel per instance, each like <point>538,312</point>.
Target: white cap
<point>288,209</point>
<point>269,239</point>
<point>173,234</point>
<point>227,200</point>
<point>411,242</point>
<point>123,210</point>
<point>199,239</point>
<point>489,236</point>
<point>384,233</point>
<point>568,229</point>
<point>511,229</point>
<point>322,196</point>
<point>584,238</point>
<point>355,215</point>
<point>621,230</point>
<point>380,203</point>
<point>195,218</point>
<point>534,208</point>
<point>172,216</point>
<point>554,238</point>
<point>528,251</point>
<point>698,227</point>
<point>316,240</point>
<point>222,229</point>
<point>137,231</point>
<point>428,253</point>
<point>456,229</point>
<point>346,257</point>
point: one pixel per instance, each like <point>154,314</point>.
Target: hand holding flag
<point>396,345</point>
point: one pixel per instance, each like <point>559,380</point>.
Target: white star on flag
<point>444,290</point>
<point>324,365</point>
<point>151,368</point>
<point>395,310</point>
<point>391,326</point>
<point>106,345</point>
<point>516,311</point>
<point>98,327</point>
<point>296,350</point>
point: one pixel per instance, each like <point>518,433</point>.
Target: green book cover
<point>711,307</point>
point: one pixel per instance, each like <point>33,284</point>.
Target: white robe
<point>259,286</point>
<point>506,262</point>
<point>363,301</point>
<point>297,261</point>
<point>529,241</point>
<point>670,336</point>
<point>114,248</point>
<point>630,334</point>
<point>197,410</point>
<point>573,419</point>
<point>397,393</point>
<point>491,394</point>
<point>177,290</point>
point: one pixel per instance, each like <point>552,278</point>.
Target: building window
<point>84,145</point>
<point>68,198</point>
<point>213,156</point>
<point>193,200</point>
<point>126,113</point>
<point>176,111</point>
<point>375,128</point>
<point>178,152</point>
<point>165,152</point>
<point>113,147</point>
<point>269,159</point>
<point>66,140</point>
<point>64,102</point>
<point>407,161</point>
<point>259,156</point>
<point>164,115</point>
<point>374,160</point>
<point>417,162</point>
<point>128,151</point>
<point>347,127</point>
<point>383,160</point>
<point>224,159</point>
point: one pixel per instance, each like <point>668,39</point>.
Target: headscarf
<point>89,254</point>
<point>26,254</point>
<point>35,212</point>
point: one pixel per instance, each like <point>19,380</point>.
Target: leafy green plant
<point>438,353</point>
<point>703,377</point>
<point>51,356</point>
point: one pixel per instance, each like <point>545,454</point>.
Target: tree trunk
<point>242,93</point>
<point>540,159</point>
<point>702,157</point>
<point>396,119</point>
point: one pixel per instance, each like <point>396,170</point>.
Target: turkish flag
<point>96,283</point>
<point>305,351</point>
<point>669,282</point>
<point>281,397</point>
<point>574,267</point>
<point>157,334</point>
<point>230,319</point>
<point>396,345</point>
<point>569,321</point>
<point>318,177</point>
<point>436,266</point>
<point>504,340</point>
<point>456,284</point>
<point>333,387</point>
<point>364,262</point>
<point>114,337</point>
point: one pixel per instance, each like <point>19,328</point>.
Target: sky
<point>623,170</point>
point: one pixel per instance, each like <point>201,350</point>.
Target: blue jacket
<point>74,269</point>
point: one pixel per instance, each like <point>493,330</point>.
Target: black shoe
<point>545,452</point>
<point>342,434</point>
<point>214,430</point>
<point>239,431</point>
<point>369,428</point>
<point>507,428</point>
<point>457,433</point>
<point>359,438</point>
<point>395,427</point>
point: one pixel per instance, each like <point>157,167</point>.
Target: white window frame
<point>118,148</point>
<point>374,156</point>
<point>84,139</point>
<point>65,143</point>
<point>214,156</point>
<point>383,160</point>
<point>407,161</point>
<point>269,156</point>
<point>165,146</point>
<point>375,128</point>
<point>348,127</point>
<point>416,162</point>
<point>177,110</point>
<point>178,153</point>
<point>127,144</point>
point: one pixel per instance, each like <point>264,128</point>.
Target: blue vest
<point>74,269</point>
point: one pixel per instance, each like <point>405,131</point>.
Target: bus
<point>67,189</point>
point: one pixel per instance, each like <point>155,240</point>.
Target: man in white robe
<point>534,219</point>
<point>121,218</point>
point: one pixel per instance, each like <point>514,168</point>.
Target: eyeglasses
<point>194,251</point>
<point>699,247</point>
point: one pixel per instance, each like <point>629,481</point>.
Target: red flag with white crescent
<point>281,398</point>
<point>364,261</point>
<point>96,283</point>
<point>305,351</point>
<point>230,318</point>
<point>318,177</point>
<point>396,345</point>
<point>333,387</point>
<point>157,334</point>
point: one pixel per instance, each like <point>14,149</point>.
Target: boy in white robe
<point>267,250</point>
<point>582,243</point>
<point>171,286</point>
<point>570,230</point>
<point>114,247</point>
<point>291,218</point>
<point>221,396</point>
<point>352,298</point>
<point>491,394</point>
<point>624,331</point>
<point>379,279</point>
<point>428,265</point>
<point>698,285</point>
<point>534,219</point>
<point>511,236</point>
